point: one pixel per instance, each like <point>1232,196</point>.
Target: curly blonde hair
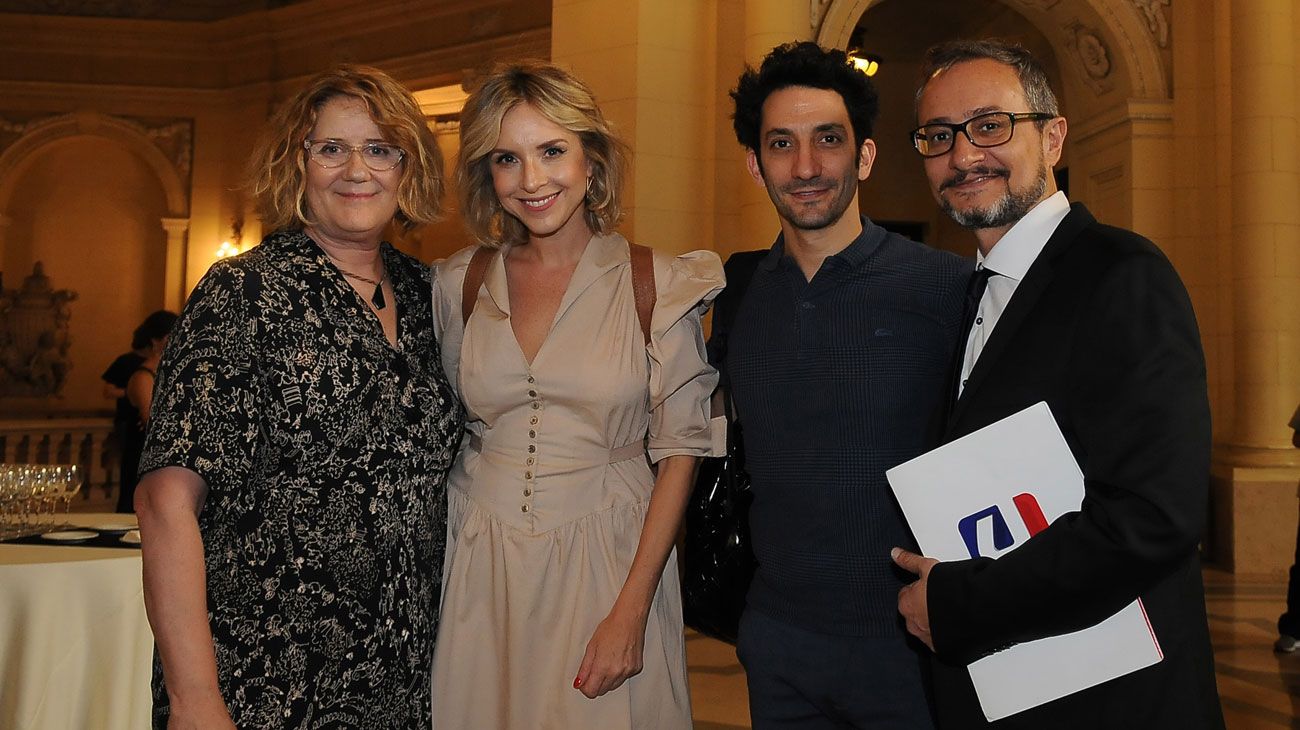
<point>561,98</point>
<point>277,170</point>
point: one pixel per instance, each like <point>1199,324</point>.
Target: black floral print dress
<point>324,450</point>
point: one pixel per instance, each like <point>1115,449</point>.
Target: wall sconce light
<point>237,233</point>
<point>866,63</point>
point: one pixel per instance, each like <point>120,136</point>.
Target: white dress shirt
<point>1010,259</point>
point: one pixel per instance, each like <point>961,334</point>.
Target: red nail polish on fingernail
<point>577,682</point>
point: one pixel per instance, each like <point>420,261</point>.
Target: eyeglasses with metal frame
<point>986,130</point>
<point>331,153</point>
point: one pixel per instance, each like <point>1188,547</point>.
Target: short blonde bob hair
<point>561,98</point>
<point>277,171</point>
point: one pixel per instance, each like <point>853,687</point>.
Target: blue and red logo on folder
<point>1030,513</point>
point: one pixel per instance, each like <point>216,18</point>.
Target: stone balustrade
<point>78,441</point>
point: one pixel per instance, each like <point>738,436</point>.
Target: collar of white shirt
<point>1015,252</point>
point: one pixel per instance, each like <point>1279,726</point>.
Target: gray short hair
<point>1033,79</point>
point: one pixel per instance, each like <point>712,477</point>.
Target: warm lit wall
<point>448,235</point>
<point>225,77</point>
<point>84,207</point>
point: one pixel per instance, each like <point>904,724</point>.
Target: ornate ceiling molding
<point>189,10</point>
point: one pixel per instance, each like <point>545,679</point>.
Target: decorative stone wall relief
<point>34,337</point>
<point>1156,13</point>
<point>1092,54</point>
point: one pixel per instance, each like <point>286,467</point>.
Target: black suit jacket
<point>1102,329</point>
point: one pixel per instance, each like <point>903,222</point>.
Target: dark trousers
<point>803,680</point>
<point>131,437</point>
<point>1289,623</point>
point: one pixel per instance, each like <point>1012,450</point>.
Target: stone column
<point>1265,224</point>
<point>650,64</point>
<point>174,280</point>
<point>768,23</point>
<point>1256,469</point>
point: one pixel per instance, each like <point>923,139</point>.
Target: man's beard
<point>814,220</point>
<point>1008,209</point>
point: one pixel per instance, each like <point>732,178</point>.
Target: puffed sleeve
<point>448,327</point>
<point>204,413</point>
<point>681,380</point>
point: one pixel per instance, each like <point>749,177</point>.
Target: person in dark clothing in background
<point>115,378</point>
<point>837,359</point>
<point>119,371</point>
<point>133,406</point>
<point>1288,625</point>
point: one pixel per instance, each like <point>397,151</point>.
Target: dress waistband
<point>615,455</point>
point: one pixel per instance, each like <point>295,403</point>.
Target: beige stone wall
<point>652,65</point>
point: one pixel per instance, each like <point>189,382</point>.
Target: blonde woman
<point>292,508</point>
<point>560,601</point>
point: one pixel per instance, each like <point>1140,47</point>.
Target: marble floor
<point>1259,689</point>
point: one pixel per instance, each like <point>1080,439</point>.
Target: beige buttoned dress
<point>550,490</point>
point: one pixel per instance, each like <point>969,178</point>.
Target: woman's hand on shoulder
<point>615,653</point>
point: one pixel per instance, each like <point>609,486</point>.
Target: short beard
<point>1006,211</point>
<point>812,220</point>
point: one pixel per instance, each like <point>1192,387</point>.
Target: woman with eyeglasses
<point>292,504</point>
<point>581,363</point>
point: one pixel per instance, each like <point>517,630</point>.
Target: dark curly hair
<point>803,64</point>
<point>154,327</point>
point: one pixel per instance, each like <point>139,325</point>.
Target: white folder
<point>974,482</point>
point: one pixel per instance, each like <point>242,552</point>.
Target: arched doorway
<point>87,195</point>
<point>1109,68</point>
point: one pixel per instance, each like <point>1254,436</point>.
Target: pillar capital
<point>175,226</point>
<point>174,266</point>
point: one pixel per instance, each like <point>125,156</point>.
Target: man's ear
<point>1054,140</point>
<point>866,157</point>
<point>751,162</point>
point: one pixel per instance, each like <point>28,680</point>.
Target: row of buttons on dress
<point>530,461</point>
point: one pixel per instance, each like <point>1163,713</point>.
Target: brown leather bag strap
<point>474,274</point>
<point>643,285</point>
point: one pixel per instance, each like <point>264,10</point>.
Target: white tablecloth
<point>75,645</point>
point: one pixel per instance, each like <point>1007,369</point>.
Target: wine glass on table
<point>44,488</point>
<point>8,500</point>
<point>72,480</point>
<point>24,494</point>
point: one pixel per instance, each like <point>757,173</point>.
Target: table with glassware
<point>75,645</point>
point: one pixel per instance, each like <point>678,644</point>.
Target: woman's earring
<point>586,197</point>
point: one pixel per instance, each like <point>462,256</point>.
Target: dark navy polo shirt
<point>836,380</point>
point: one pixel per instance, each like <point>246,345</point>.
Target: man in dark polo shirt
<point>837,359</point>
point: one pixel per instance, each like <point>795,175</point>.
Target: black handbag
<point>717,557</point>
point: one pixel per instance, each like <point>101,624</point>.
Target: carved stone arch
<point>1074,27</point>
<point>39,135</point>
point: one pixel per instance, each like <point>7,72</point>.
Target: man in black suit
<point>1094,321</point>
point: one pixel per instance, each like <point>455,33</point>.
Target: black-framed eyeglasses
<point>330,153</point>
<point>985,130</point>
